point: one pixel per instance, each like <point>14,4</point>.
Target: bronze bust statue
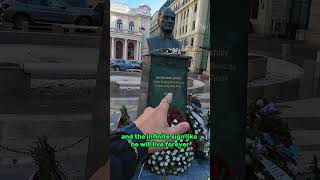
<point>165,39</point>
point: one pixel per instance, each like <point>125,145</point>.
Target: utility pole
<point>99,127</point>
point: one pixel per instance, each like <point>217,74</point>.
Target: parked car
<point>48,11</point>
<point>136,64</point>
<point>121,64</point>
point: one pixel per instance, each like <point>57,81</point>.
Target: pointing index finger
<point>165,103</point>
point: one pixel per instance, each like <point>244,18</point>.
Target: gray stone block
<point>49,39</point>
<point>306,82</point>
<point>257,68</point>
<point>14,81</point>
<point>114,87</point>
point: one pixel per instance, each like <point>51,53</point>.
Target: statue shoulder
<point>177,43</point>
<point>152,39</point>
<point>152,42</point>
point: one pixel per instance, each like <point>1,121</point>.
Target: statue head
<point>166,20</point>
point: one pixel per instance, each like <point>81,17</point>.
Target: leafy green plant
<point>314,168</point>
<point>43,156</point>
<point>125,118</point>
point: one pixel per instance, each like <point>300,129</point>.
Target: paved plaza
<point>62,110</point>
<point>62,107</point>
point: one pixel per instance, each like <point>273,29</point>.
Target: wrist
<point>133,129</point>
<point>140,127</point>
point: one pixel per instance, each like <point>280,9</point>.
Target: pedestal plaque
<point>162,74</point>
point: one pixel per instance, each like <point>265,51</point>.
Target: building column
<point>125,53</point>
<point>140,51</point>
<point>112,48</point>
<point>136,54</point>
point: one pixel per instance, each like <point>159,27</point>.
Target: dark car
<point>121,64</point>
<point>48,11</point>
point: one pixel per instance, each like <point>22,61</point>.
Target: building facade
<point>129,30</point>
<point>313,35</point>
<point>154,29</point>
<point>192,21</point>
<point>270,17</point>
<point>191,29</point>
<point>296,19</point>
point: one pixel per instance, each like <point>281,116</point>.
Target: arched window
<point>131,26</point>
<point>119,50</point>
<point>119,24</point>
<point>130,50</point>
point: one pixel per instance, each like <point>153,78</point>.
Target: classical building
<point>129,29</point>
<point>296,19</point>
<point>270,16</point>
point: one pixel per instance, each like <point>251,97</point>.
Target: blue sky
<point>154,4</point>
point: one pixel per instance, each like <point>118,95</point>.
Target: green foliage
<point>43,156</point>
<point>125,118</point>
<point>314,168</point>
<point>124,113</point>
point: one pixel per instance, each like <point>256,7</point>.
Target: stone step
<point>303,123</point>
<point>309,145</point>
<point>57,126</point>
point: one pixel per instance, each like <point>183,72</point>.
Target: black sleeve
<point>123,159</point>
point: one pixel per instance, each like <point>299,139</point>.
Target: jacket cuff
<point>133,129</point>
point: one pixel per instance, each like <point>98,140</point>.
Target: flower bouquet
<point>178,160</point>
<point>269,143</point>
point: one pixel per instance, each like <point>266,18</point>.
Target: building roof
<point>124,8</point>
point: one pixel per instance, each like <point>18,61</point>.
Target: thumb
<point>179,128</point>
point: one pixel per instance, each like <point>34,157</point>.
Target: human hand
<point>154,121</point>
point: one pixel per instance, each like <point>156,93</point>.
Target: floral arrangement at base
<point>178,160</point>
<point>269,143</point>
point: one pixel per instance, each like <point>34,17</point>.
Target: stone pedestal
<point>306,82</point>
<point>13,80</point>
<point>162,74</point>
<point>257,67</point>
